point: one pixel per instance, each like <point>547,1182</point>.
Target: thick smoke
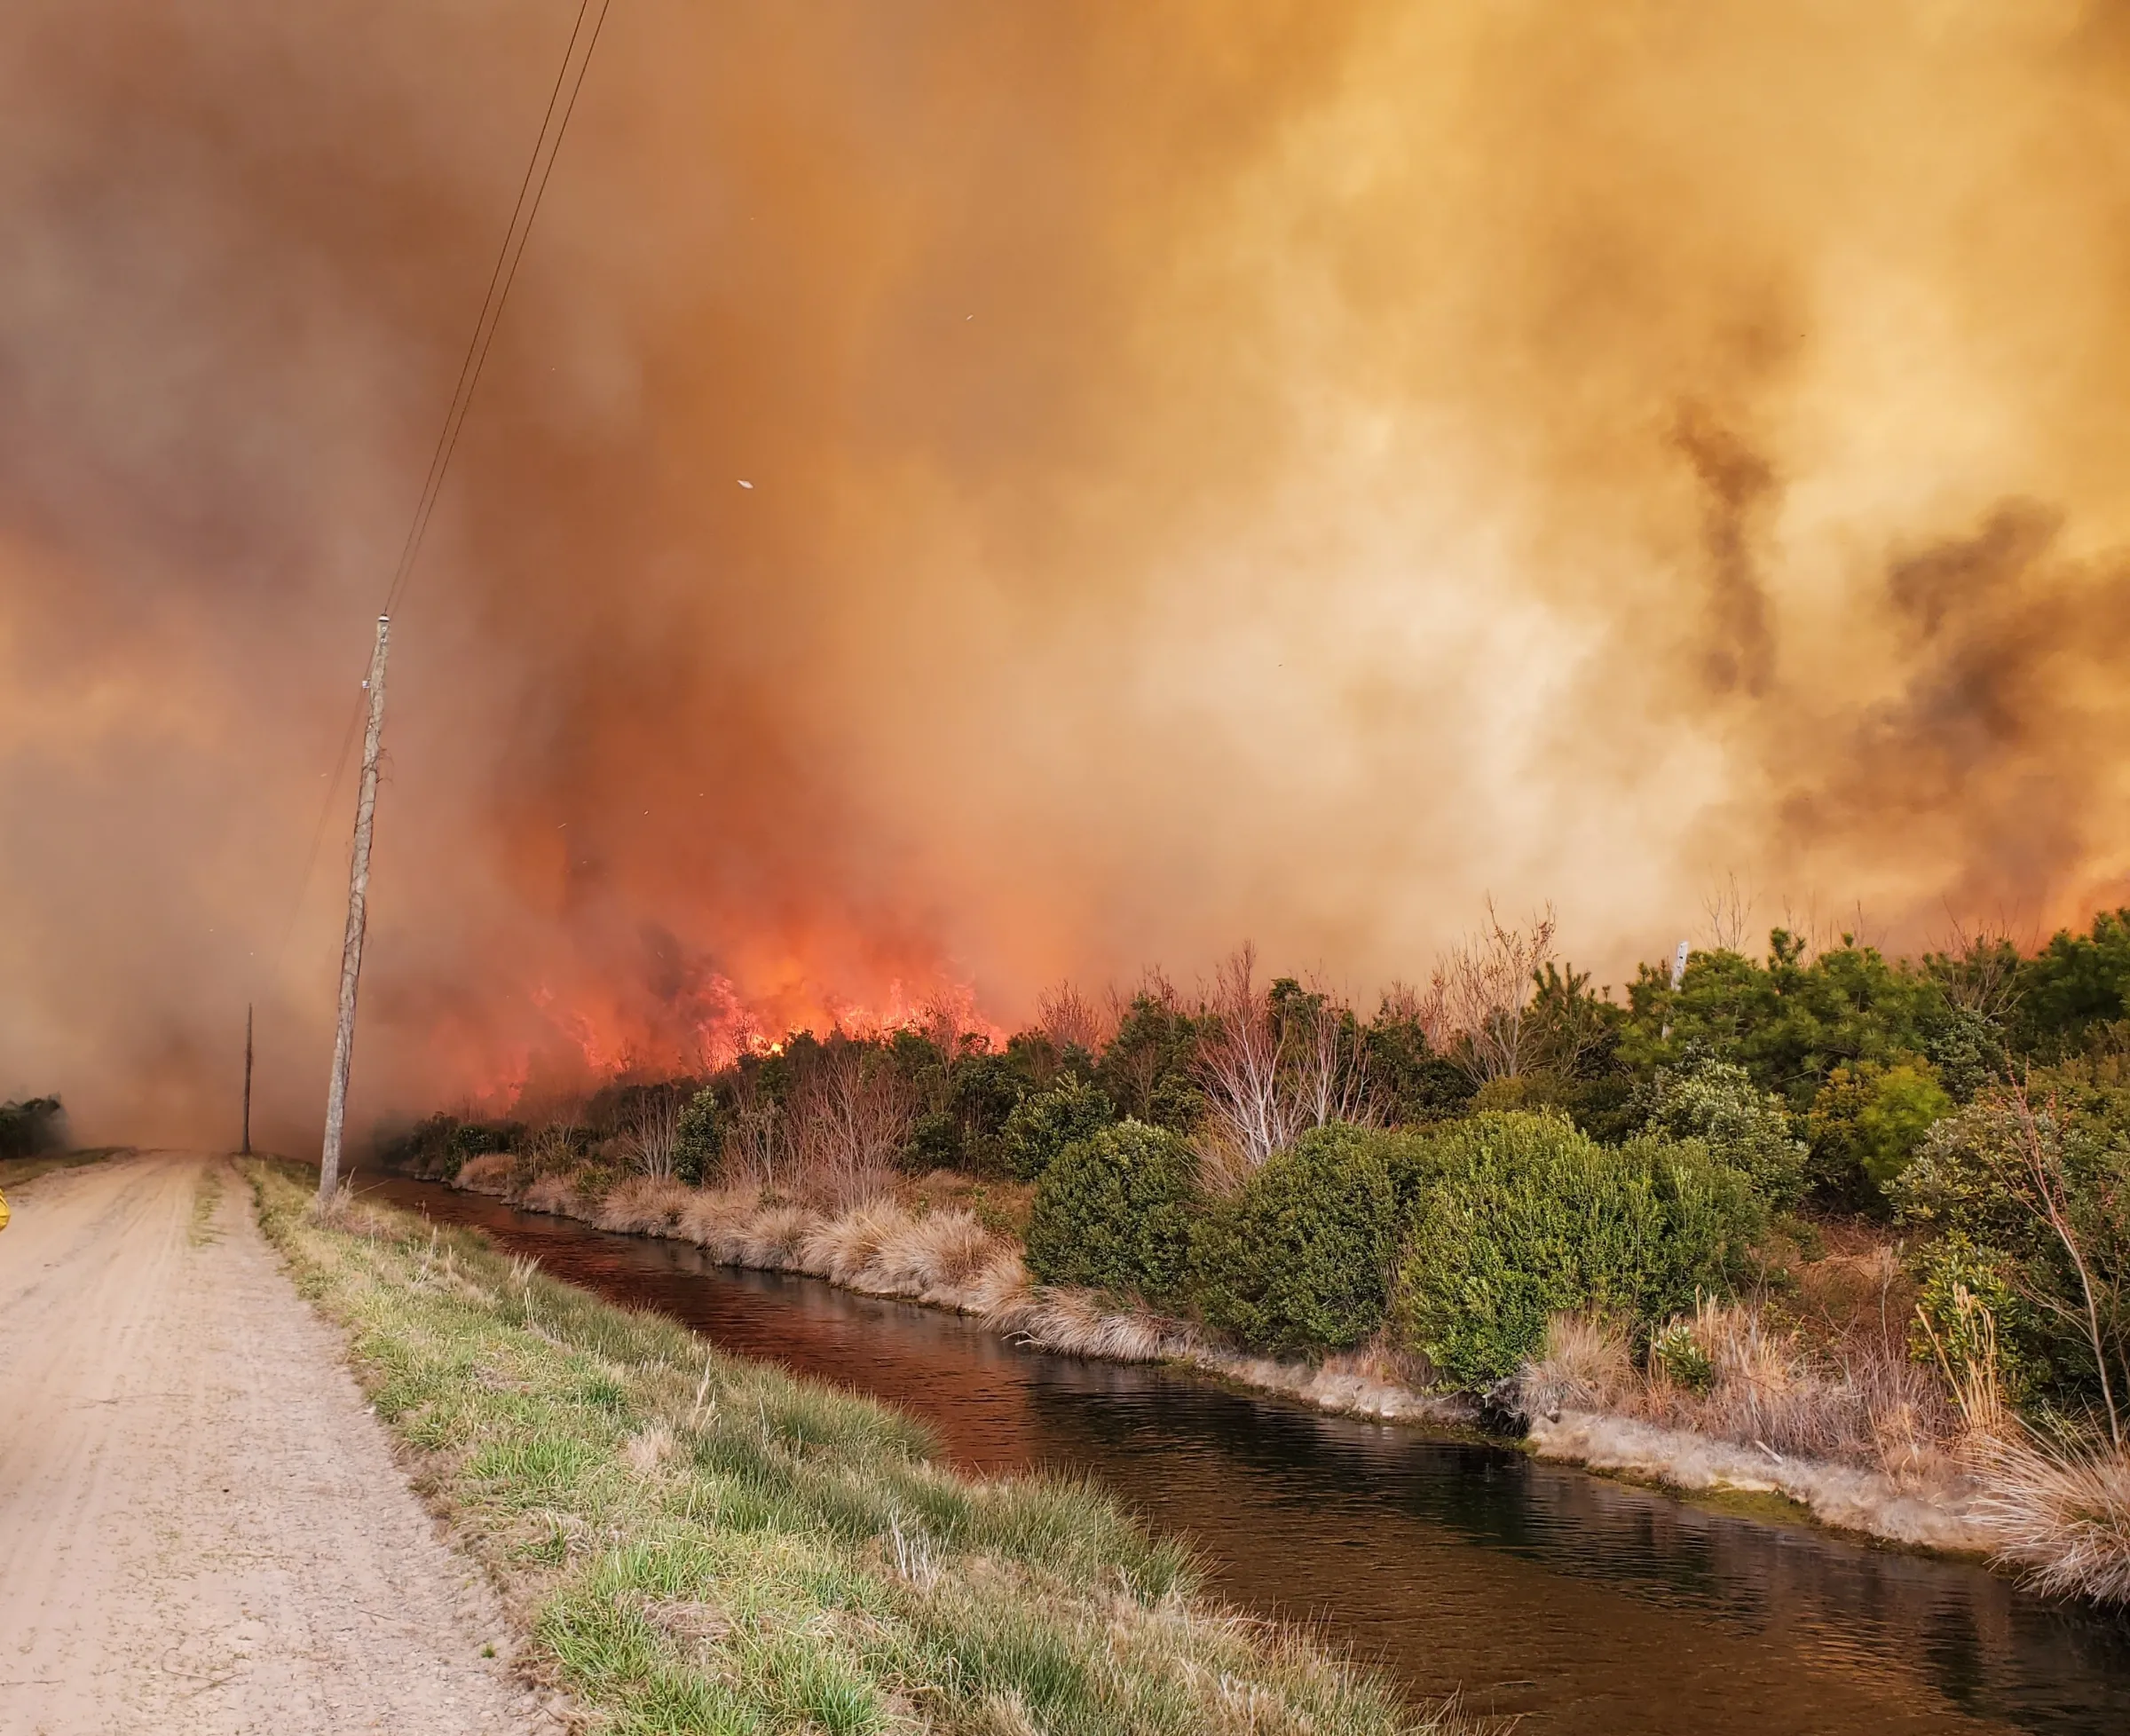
<point>1272,470</point>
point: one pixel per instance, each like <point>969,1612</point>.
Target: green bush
<point>1865,1125</point>
<point>1680,1354</point>
<point>1045,1123</point>
<point>1114,1213</point>
<point>700,1144</point>
<point>1979,1179</point>
<point>438,1149</point>
<point>1742,1125</point>
<point>1148,1065</point>
<point>1952,1267</point>
<point>1301,1258</point>
<point>32,1128</point>
<point>1524,1216</point>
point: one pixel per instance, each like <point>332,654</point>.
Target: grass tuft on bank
<point>699,1543</point>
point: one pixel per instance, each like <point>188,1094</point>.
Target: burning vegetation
<point>1828,1205</point>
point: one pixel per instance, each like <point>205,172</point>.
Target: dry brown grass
<point>489,1173</point>
<point>881,1245</point>
<point>2060,1513</point>
<point>551,1193</point>
<point>1861,1403</point>
<point>1080,1322</point>
<point>643,1206</point>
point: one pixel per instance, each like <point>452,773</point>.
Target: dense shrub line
<point>1509,1146</point>
<point>1465,1241</point>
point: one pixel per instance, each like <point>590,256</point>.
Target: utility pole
<point>247,1151</point>
<point>351,946</point>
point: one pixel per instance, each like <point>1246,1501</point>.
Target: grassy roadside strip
<point>18,1172</point>
<point>700,1543</point>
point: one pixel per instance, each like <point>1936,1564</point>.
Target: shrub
<point>1301,1258</point>
<point>1045,1123</point>
<point>1522,1217</point>
<point>700,1144</point>
<point>1114,1213</point>
<point>1146,1066</point>
<point>33,1127</point>
<point>1952,1275</point>
<point>439,1147</point>
<point>1867,1123</point>
<point>1742,1125</point>
<point>1683,1357</point>
<point>1986,1177</point>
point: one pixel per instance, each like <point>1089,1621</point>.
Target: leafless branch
<point>2040,1158</point>
<point>1482,991</point>
<point>1068,1019</point>
<point>653,1134</point>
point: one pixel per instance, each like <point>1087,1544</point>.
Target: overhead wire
<point>532,190</point>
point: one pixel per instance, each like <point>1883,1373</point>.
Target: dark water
<point>1458,1568</point>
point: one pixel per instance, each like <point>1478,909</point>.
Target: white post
<point>351,946</point>
<point>1678,975</point>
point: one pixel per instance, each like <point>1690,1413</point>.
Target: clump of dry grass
<point>551,1193</point>
<point>1862,1402</point>
<point>842,1248</point>
<point>945,1255</point>
<point>1081,1322</point>
<point>1587,1366</point>
<point>2059,1512</point>
<point>488,1174</point>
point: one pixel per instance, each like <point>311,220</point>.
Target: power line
<point>531,189</point>
<point>460,389</point>
<point>500,280</point>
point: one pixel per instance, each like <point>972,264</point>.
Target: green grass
<point>207,1196</point>
<point>701,1543</point>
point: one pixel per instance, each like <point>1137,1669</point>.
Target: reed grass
<point>1865,1402</point>
<point>2060,1513</point>
<point>699,1543</point>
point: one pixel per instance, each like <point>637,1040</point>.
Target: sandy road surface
<point>202,1528</point>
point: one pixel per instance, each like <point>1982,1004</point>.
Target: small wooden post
<point>351,946</point>
<point>247,1151</point>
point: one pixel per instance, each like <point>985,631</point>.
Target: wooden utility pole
<point>351,946</point>
<point>247,1080</point>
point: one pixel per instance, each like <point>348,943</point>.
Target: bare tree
<point>1979,969</point>
<point>652,1136</point>
<point>1239,1066</point>
<point>1476,1005</point>
<point>1729,909</point>
<point>849,1119</point>
<point>1068,1019</point>
<point>1330,1065</point>
<point>1272,1070</point>
<point>755,1145</point>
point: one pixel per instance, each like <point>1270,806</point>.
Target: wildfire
<point>577,1037</point>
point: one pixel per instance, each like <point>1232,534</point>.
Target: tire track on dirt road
<point>201,1526</point>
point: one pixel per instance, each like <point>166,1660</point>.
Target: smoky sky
<point>1285,471</point>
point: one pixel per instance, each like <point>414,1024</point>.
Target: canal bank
<point>1460,1565</point>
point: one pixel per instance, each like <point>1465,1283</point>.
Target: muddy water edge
<point>1457,1566</point>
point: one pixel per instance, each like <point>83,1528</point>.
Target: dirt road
<point>201,1528</point>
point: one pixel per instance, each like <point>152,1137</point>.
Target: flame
<point>574,1037</point>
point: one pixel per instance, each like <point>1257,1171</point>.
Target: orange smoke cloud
<point>1257,469</point>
